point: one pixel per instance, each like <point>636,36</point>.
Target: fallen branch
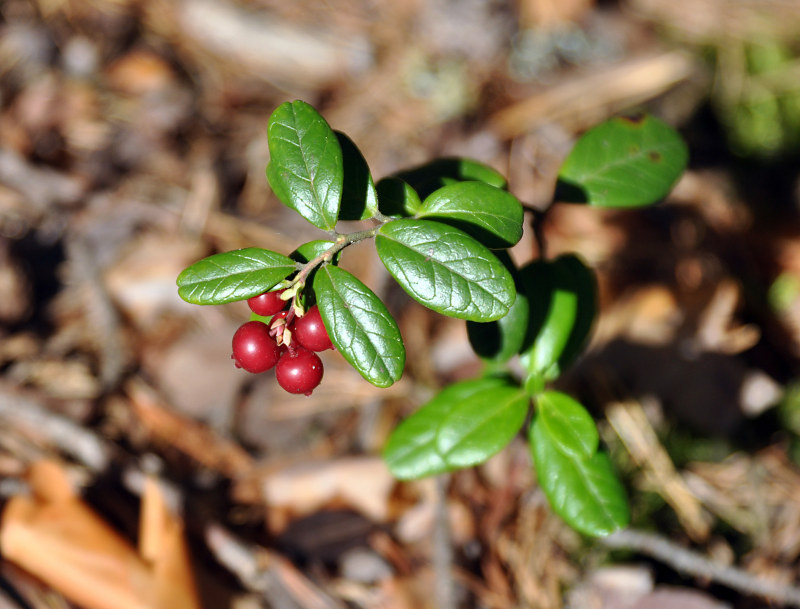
<point>697,565</point>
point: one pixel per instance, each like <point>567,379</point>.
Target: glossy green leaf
<point>461,426</point>
<point>498,341</point>
<point>585,492</point>
<point>431,176</point>
<point>360,326</point>
<point>584,283</point>
<point>231,276</point>
<point>262,318</point>
<point>445,269</point>
<point>397,199</point>
<point>359,199</point>
<point>306,168</point>
<point>310,250</point>
<point>554,306</point>
<point>563,306</point>
<point>491,215</point>
<point>623,162</point>
<point>568,424</point>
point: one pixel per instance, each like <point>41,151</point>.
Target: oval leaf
<point>554,307</point>
<point>491,215</point>
<point>563,308</point>
<point>498,341</point>
<point>461,426</point>
<point>397,199</point>
<point>359,199</point>
<point>568,423</point>
<point>585,492</point>
<point>232,276</point>
<point>584,283</point>
<point>306,168</point>
<point>431,176</point>
<point>360,326</point>
<point>623,162</point>
<point>312,249</point>
<point>445,269</point>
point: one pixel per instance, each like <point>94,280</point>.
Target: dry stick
<point>442,548</point>
<point>102,317</point>
<point>19,411</point>
<point>693,563</point>
<point>266,572</point>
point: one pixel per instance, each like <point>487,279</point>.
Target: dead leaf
<point>56,537</point>
<point>361,483</point>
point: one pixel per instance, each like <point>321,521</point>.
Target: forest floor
<point>140,469</point>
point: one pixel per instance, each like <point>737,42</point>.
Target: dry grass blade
<point>630,422</point>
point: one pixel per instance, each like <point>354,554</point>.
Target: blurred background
<point>133,142</point>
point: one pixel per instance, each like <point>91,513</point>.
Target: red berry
<point>310,332</point>
<point>267,304</point>
<point>299,371</point>
<point>253,348</point>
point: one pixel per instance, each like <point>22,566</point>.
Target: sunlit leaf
<point>585,492</point>
<point>463,425</point>
<point>445,269</point>
<point>623,162</point>
<point>232,276</point>
<point>491,215</point>
<point>306,168</point>
<point>359,325</point>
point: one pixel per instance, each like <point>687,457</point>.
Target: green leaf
<point>498,341</point>
<point>584,283</point>
<point>231,276</point>
<point>445,269</point>
<point>461,426</point>
<point>359,199</point>
<point>360,326</point>
<point>262,318</point>
<point>563,307</point>
<point>585,492</point>
<point>306,168</point>
<point>554,307</point>
<point>568,424</point>
<point>310,250</point>
<point>623,162</point>
<point>397,199</point>
<point>433,175</point>
<point>491,215</point>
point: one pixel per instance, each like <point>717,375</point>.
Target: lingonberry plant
<point>442,231</point>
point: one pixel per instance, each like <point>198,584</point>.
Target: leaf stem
<point>341,242</point>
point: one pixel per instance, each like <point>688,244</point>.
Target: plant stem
<point>342,241</point>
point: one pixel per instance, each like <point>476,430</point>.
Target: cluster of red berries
<point>287,343</point>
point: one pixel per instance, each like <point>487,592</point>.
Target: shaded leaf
<point>306,167</point>
<point>491,215</point>
<point>445,269</point>
<point>431,176</point>
<point>563,306</point>
<point>397,199</point>
<point>462,426</point>
<point>623,162</point>
<point>360,326</point>
<point>232,276</point>
<point>359,199</point>
<point>498,341</point>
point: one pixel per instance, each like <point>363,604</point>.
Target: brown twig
<point>443,548</point>
<point>697,565</point>
<point>19,411</point>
